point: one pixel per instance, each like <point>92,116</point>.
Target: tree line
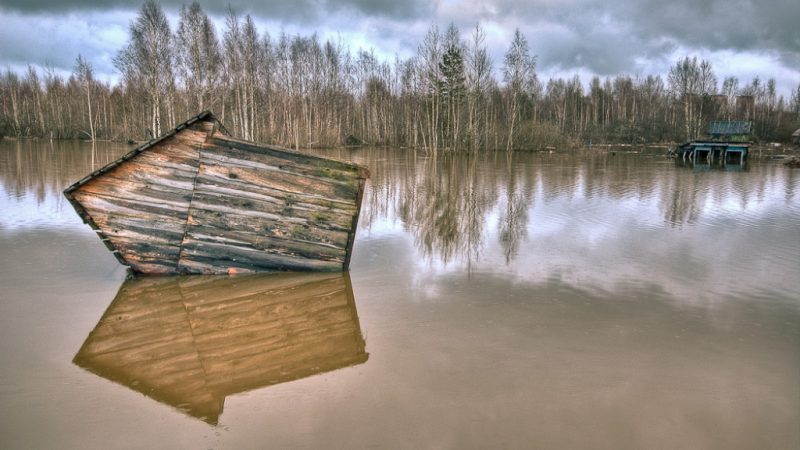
<point>299,91</point>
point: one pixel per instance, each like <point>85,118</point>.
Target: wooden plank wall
<point>257,208</point>
<point>202,202</point>
<point>142,205</point>
<point>190,341</point>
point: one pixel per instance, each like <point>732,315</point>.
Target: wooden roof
<point>729,128</point>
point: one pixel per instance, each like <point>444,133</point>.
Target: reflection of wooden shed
<point>191,341</point>
<point>199,201</point>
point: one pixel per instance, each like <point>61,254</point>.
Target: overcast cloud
<point>745,38</point>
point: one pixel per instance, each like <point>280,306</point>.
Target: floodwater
<point>579,300</point>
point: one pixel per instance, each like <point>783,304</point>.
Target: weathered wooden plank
<point>152,262</point>
<point>201,255</point>
<point>202,125</point>
<point>154,209</point>
<point>283,157</point>
<point>139,191</point>
<point>183,148</point>
<point>229,219</point>
<point>261,189</point>
<point>267,243</point>
<point>147,236</point>
<point>194,136</point>
<point>275,237</point>
<point>172,155</point>
<point>144,258</point>
<point>179,176</point>
<point>223,171</point>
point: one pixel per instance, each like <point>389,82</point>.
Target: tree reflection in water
<point>451,203</point>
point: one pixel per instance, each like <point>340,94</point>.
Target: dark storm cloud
<point>600,29</point>
<point>38,6</point>
<point>606,37</point>
<point>53,41</point>
<point>721,24</point>
<point>297,10</point>
<point>51,33</point>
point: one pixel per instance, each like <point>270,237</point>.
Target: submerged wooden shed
<point>197,200</point>
<point>726,140</point>
<point>190,342</point>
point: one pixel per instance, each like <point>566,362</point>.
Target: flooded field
<point>559,300</point>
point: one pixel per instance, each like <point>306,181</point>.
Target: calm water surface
<point>582,300</point>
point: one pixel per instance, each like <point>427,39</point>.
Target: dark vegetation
<point>298,91</point>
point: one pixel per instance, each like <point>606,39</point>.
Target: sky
<point>743,38</point>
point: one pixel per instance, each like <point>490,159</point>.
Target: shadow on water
<point>191,341</point>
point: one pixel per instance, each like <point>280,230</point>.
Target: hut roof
<point>728,128</point>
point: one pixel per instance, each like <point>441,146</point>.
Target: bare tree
<point>478,80</point>
<point>32,80</point>
<point>519,74</point>
<point>795,103</point>
<point>85,74</point>
<point>147,59</point>
<point>684,80</point>
<point>197,56</point>
<point>730,87</point>
<point>429,55</point>
<point>12,87</point>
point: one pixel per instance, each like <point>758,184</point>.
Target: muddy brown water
<point>555,300</point>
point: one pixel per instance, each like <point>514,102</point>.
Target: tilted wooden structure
<point>200,201</point>
<point>191,341</point>
<point>726,140</point>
